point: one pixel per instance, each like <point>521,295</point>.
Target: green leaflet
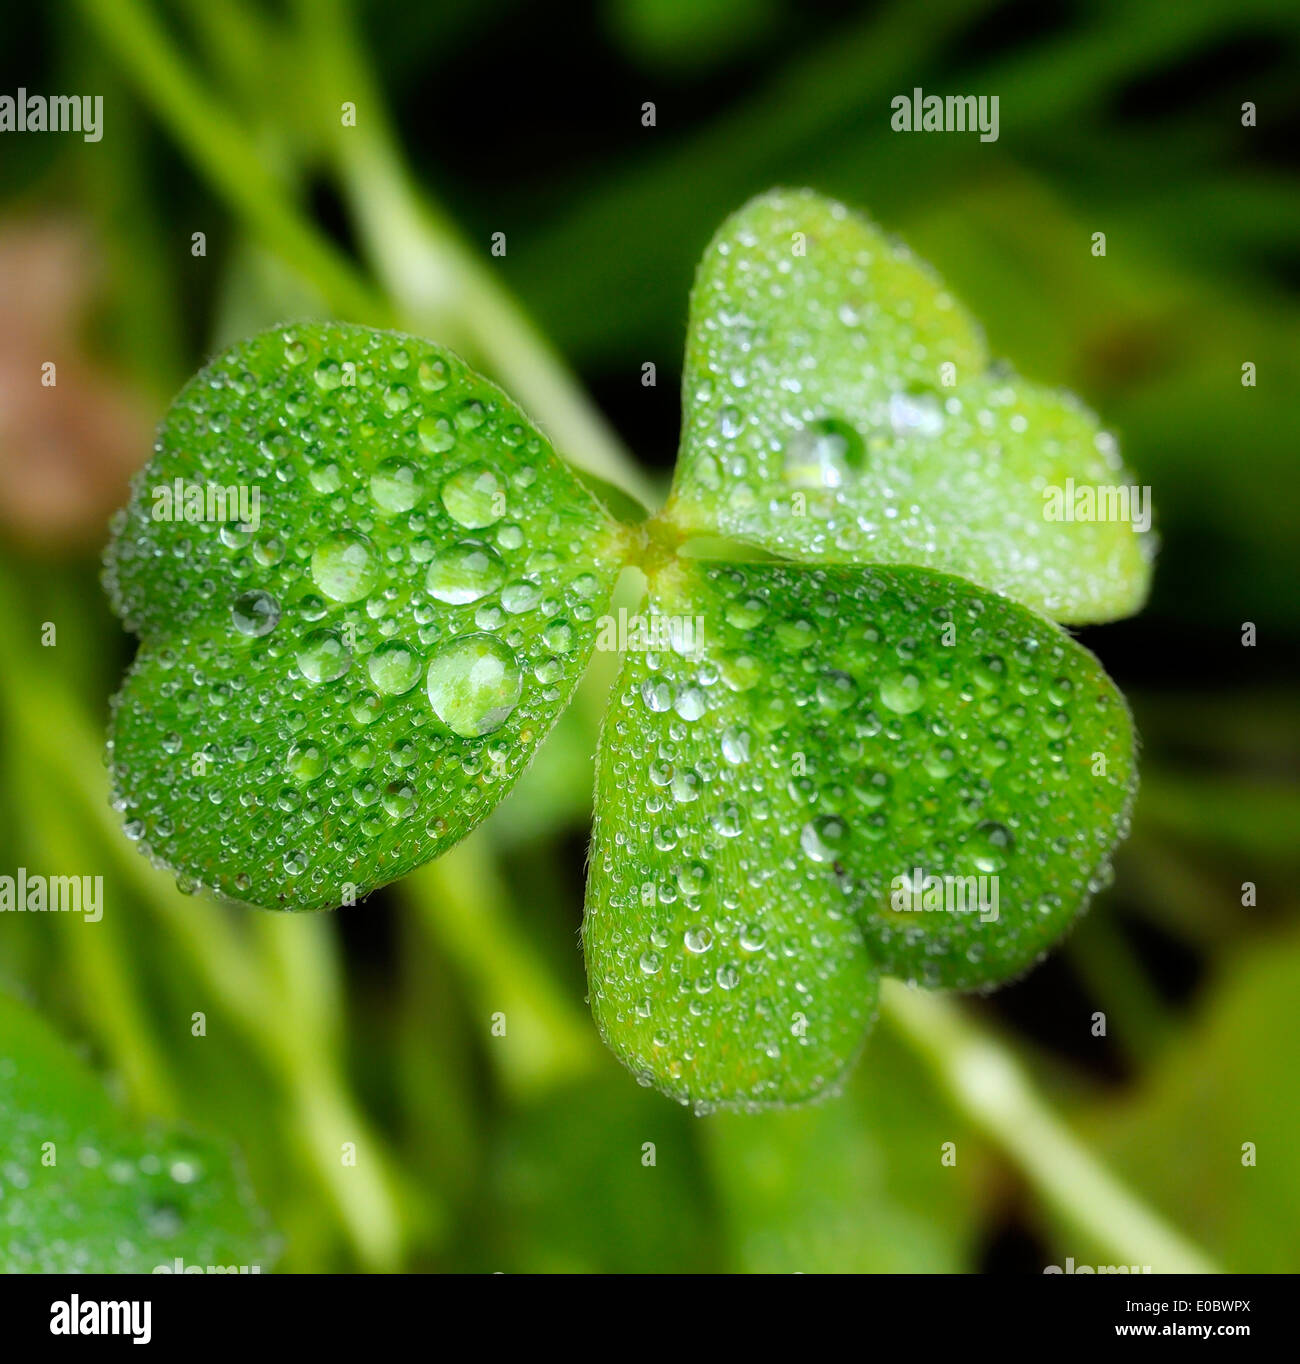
<point>780,798</point>
<point>81,1191</point>
<point>839,407</point>
<point>325,701</point>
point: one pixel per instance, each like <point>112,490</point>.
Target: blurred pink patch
<point>67,449</point>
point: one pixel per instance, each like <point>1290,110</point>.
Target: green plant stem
<point>277,1016</point>
<point>441,288</point>
<point>463,904</point>
<point>989,1087</point>
<point>110,1003</point>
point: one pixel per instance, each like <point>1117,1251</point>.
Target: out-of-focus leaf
<point>853,1187</point>
<point>81,1191</point>
<point>600,1177</point>
<point>1229,1081</point>
<point>689,34</point>
<point>1210,810</point>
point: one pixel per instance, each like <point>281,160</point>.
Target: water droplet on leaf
<point>345,566</point>
<point>255,613</point>
<point>474,684</point>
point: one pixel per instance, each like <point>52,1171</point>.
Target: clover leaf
<point>336,689</point>
<point>850,742</point>
<point>839,407</point>
<point>854,771</point>
<point>80,1189</point>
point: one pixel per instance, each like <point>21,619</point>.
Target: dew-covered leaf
<point>342,677</point>
<point>839,407</point>
<point>83,1191</point>
<point>781,796</point>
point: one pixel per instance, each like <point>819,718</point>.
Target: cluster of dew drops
<point>757,413</point>
<point>791,425</point>
<point>452,556</point>
<point>922,753</point>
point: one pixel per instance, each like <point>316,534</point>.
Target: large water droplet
<point>823,839</point>
<point>345,566</point>
<point>740,670</point>
<point>746,613</point>
<point>690,703</point>
<point>464,573</point>
<point>323,656</point>
<point>657,694</point>
<point>836,691</point>
<point>915,414</point>
<point>474,497</point>
<point>753,937</point>
<point>735,745</point>
<point>304,762</point>
<point>396,486</point>
<point>521,596</point>
<point>902,692</point>
<point>394,667</point>
<point>325,478</point>
<point>990,845</point>
<point>328,375</point>
<point>823,454</point>
<point>433,375</point>
<point>872,787</point>
<point>399,799</point>
<point>474,685</point>
<point>693,879</point>
<point>255,613</point>
<point>698,939</point>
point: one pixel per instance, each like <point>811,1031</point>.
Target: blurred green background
<point>373,1025</point>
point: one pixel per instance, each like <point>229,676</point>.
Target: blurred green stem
<point>991,1090</point>
<point>108,997</point>
<point>211,136</point>
<point>464,905</point>
<point>440,285</point>
<point>437,281</point>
